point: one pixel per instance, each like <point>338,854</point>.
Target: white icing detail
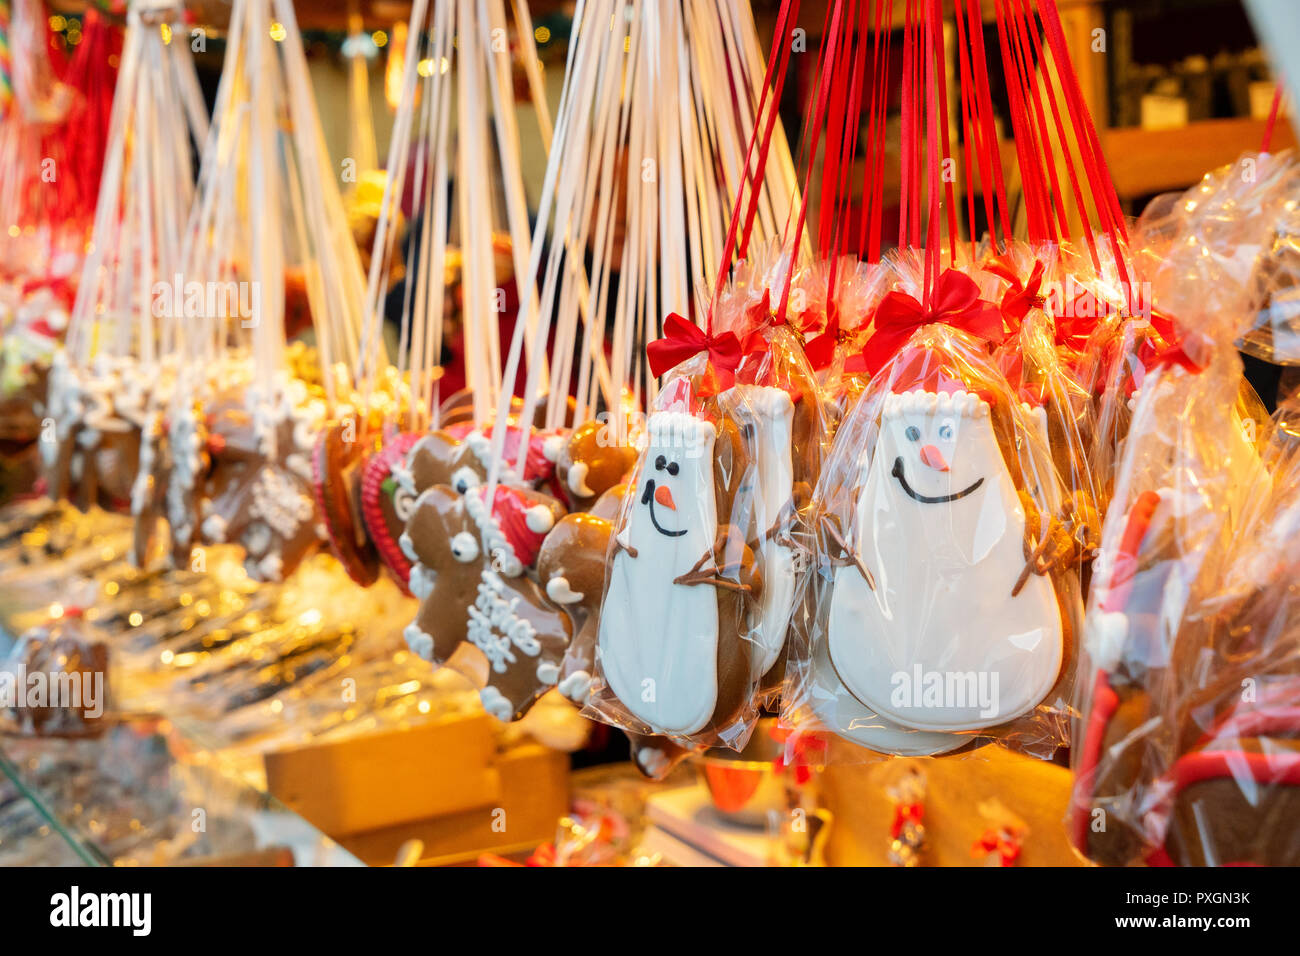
<point>771,412</point>
<point>464,479</point>
<point>495,703</point>
<point>495,628</point>
<point>408,548</point>
<point>843,713</point>
<point>401,473</point>
<point>495,542</point>
<point>944,572</point>
<point>464,547</point>
<point>548,673</point>
<point>277,501</point>
<point>481,445</point>
<point>552,445</point>
<point>539,519</point>
<point>578,480</point>
<point>269,567</point>
<point>576,687</point>
<point>403,503</point>
<point>420,643</point>
<point>659,640</point>
<point>1107,633</point>
<point>214,528</point>
<point>257,540</point>
<point>558,590</point>
<point>422,581</point>
<point>652,761</point>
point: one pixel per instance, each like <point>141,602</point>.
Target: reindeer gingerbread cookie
<point>471,577</point>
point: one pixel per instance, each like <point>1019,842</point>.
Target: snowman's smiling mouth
<point>648,499</point>
<point>928,499</point>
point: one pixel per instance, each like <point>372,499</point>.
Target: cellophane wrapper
<point>1262,188</point>
<point>940,599</point>
<point>1189,543</point>
<point>681,647</point>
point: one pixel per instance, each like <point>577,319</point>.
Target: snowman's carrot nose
<point>665,497</point>
<point>934,458</point>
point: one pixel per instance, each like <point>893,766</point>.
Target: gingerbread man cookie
<point>260,490</point>
<point>471,578</point>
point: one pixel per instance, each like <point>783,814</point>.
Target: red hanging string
<point>1103,184</point>
<point>1030,183</point>
<point>829,49</point>
<point>1267,143</point>
<point>939,59</point>
<point>1061,136</point>
<point>984,102</point>
<point>778,62</point>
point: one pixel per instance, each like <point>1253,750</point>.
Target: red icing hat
<point>524,524</point>
<point>538,464</point>
<point>922,368</point>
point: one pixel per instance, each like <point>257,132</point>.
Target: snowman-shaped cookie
<point>935,625</point>
<point>675,623</point>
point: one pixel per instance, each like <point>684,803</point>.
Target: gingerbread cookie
<point>674,641</point>
<point>471,578</point>
<point>386,503</point>
<point>590,463</point>
<point>336,478</point>
<point>259,493</point>
<point>58,656</point>
<point>571,568</point>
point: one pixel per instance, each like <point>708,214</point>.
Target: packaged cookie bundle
<point>943,591</point>
<point>679,650</point>
<point>779,396</point>
<point>1168,632</point>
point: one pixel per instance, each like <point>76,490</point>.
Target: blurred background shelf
<point>1146,161</point>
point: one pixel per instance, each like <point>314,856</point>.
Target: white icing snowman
<point>936,640</point>
<point>771,413</point>
<point>658,640</point>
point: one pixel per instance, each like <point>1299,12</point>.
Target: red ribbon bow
<point>1021,296</point>
<point>956,303</point>
<point>684,340</point>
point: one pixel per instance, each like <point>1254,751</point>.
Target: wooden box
<point>443,783</point>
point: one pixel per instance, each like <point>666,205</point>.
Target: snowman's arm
<point>848,554</point>
<point>1048,543</point>
<point>733,566</point>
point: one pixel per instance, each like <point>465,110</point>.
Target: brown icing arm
<point>850,556</point>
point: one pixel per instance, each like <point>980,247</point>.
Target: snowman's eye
<point>945,431</point>
<point>673,468</point>
<point>913,433</point>
<point>464,548</point>
<point>464,479</point>
<point>660,463</point>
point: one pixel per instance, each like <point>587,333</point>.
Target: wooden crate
<point>390,777</point>
<point>523,813</point>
